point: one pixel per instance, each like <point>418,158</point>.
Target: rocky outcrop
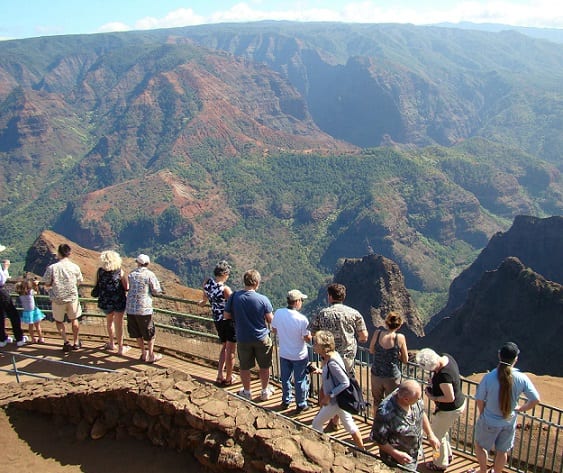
<point>43,253</point>
<point>511,303</point>
<point>536,242</point>
<point>172,410</point>
<point>375,286</point>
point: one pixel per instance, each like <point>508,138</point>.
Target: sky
<point>32,18</point>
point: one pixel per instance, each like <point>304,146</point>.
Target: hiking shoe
<point>245,394</point>
<point>267,393</point>
<point>67,347</point>
<point>5,342</point>
<point>22,342</point>
<point>77,346</point>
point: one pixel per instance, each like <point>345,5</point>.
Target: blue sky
<point>30,18</point>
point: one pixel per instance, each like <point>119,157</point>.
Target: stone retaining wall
<point>172,410</point>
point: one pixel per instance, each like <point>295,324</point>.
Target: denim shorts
<point>487,436</point>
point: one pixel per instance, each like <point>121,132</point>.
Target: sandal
<point>227,382</point>
<point>109,346</point>
<point>142,358</point>
<point>155,358</point>
<point>430,466</point>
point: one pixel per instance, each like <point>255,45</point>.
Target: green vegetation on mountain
<point>283,146</point>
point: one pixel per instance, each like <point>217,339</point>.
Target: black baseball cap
<point>508,352</point>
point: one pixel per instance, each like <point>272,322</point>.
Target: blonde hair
<point>111,261</point>
<point>325,339</point>
<point>427,359</point>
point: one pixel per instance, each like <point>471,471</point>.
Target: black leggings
<point>8,309</point>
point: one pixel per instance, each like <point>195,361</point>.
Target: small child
<point>31,314</point>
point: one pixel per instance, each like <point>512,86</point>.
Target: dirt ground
<point>33,443</point>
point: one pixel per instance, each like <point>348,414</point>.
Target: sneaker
<point>245,394</point>
<point>284,405</point>
<point>5,342</point>
<point>267,393</point>
<point>301,409</point>
<point>77,346</point>
<point>67,347</point>
<point>22,342</point>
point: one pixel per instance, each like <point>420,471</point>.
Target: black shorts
<point>226,330</point>
<point>140,326</point>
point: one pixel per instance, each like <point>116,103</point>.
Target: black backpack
<point>352,398</point>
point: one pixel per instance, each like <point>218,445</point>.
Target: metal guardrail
<point>538,446</point>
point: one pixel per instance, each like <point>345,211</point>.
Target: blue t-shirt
<point>248,310</point>
<point>488,391</point>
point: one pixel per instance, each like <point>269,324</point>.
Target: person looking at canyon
<point>252,312</point>
<point>389,350</point>
<point>445,391</point>
<point>345,323</point>
<point>217,293</point>
<point>62,279</point>
<point>8,309</point>
<point>497,400</point>
<point>143,284</point>
<point>112,286</point>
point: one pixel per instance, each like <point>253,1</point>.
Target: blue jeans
<point>301,380</point>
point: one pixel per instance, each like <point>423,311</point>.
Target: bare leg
<point>118,324</point>
<point>31,333</point>
<point>230,349</point>
<point>264,377</point>
<point>38,330</point>
<point>111,333</point>
<point>141,344</point>
<point>245,379</point>
<point>500,461</point>
<point>221,363</point>
<point>357,437</point>
<point>62,331</point>
<point>481,455</point>
<point>75,330</point>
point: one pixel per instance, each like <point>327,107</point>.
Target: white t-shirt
<point>291,327</point>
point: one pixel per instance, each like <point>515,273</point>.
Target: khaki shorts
<point>255,352</point>
<point>73,310</point>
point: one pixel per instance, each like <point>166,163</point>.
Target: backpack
<point>352,398</point>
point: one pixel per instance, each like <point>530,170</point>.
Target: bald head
<point>409,392</point>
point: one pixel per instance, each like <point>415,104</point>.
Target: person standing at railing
<point>445,391</point>
<point>143,284</point>
<point>31,314</point>
<point>290,325</point>
<point>389,349</point>
<point>111,289</point>
<point>217,293</point>
<point>345,324</point>
<point>62,279</point>
<point>252,313</point>
<point>497,400</point>
<point>8,309</point>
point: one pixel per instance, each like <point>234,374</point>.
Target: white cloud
<point>113,27</point>
<point>179,17</point>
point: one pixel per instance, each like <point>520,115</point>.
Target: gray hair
<point>428,359</point>
<point>222,268</point>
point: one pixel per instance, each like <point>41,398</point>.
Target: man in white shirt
<point>291,328</point>
<point>8,309</point>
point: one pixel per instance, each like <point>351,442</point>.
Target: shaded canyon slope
<point>510,303</point>
<point>536,242</point>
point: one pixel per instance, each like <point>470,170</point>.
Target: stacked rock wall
<point>172,410</point>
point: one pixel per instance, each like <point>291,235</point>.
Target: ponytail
<point>504,371</point>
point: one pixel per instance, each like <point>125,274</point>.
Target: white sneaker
<point>5,342</point>
<point>22,342</point>
<point>245,394</point>
<point>267,393</point>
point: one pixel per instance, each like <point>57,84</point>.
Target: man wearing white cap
<point>291,328</point>
<point>143,284</point>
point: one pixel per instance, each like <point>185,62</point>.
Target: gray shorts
<point>487,436</point>
<point>259,352</point>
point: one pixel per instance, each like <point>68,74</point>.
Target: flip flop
<point>156,357</point>
<point>142,358</point>
<point>124,350</point>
